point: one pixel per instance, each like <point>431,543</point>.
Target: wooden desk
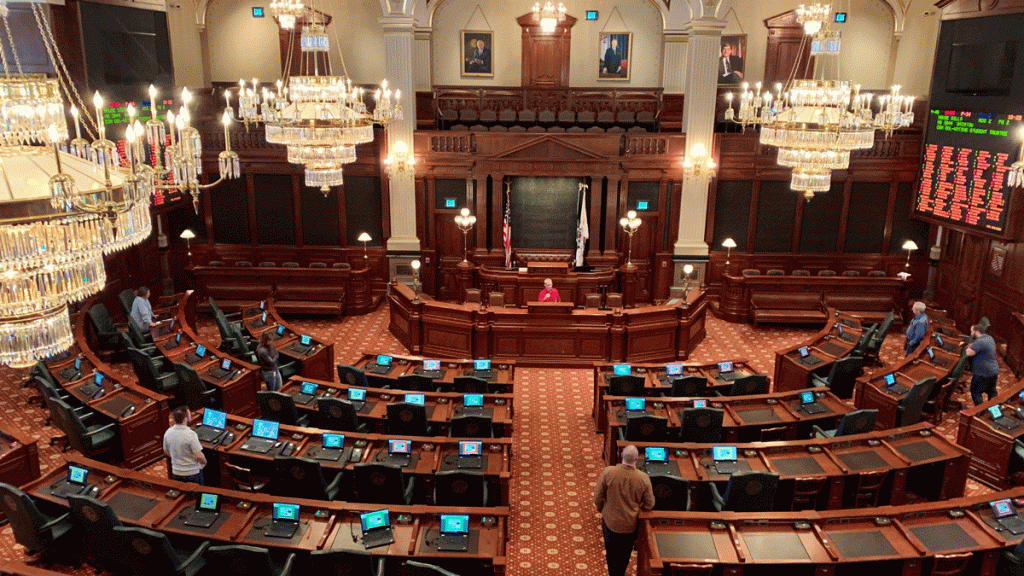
<point>19,454</point>
<point>828,345</point>
<point>991,445</point>
<point>317,363</point>
<point>524,284</point>
<point>503,382</point>
<point>642,334</point>
<point>143,500</point>
<point>869,390</point>
<point>441,406</point>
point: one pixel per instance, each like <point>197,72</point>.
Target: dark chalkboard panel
<point>903,228</point>
<point>275,217</point>
<point>447,189</point>
<point>362,209</point>
<point>732,213</point>
<point>544,212</point>
<point>230,212</point>
<point>865,226</point>
<point>819,228</point>
<point>319,217</point>
<point>643,192</point>
<point>776,212</point>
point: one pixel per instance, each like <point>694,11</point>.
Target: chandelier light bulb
<point>54,134</point>
<point>698,151</point>
<point>152,96</point>
<point>186,96</point>
<point>129,134</point>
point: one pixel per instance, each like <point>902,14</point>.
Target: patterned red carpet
<point>554,527</point>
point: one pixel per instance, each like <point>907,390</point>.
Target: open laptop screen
<point>473,400</point>
<point>804,351</point>
<point>725,367</point>
<point>655,454</point>
<point>383,360</point>
<point>418,399</point>
<point>723,453</point>
<point>77,475</point>
<point>309,388</point>
<point>200,350</point>
<point>807,397</point>
<point>333,440</point>
<point>97,378</point>
<point>431,365</point>
<point>481,365</point>
<point>373,520</point>
<point>700,403</point>
<point>1002,508</point>
<point>454,523</point>
<point>305,339</point>
<point>995,412</point>
<point>636,404</point>
<point>206,502</point>
<point>288,512</point>
<point>470,447</point>
<point>400,446</point>
<point>622,369</point>
<point>890,379</point>
<point>215,418</point>
<point>357,394</point>
<point>265,429</point>
<point>225,364</point>
<point>674,369</point>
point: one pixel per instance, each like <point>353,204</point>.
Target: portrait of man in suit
<point>614,61</point>
<point>476,54</point>
<point>730,61</point>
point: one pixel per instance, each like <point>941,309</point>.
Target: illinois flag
<point>583,229</point>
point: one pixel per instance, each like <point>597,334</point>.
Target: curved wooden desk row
<point>744,420</point>
<point>917,459</point>
<point>161,504</point>
<point>837,339</point>
<point>19,453</point>
<point>451,368</point>
<point>317,363</point>
<point>441,407</point>
<point>545,334</point>
<point>656,381</point>
<point>870,389</point>
<point>431,454</point>
<point>884,541</point>
<point>991,444</point>
<point>523,285</point>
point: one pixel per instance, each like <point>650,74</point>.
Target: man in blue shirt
<point>142,312</point>
<point>917,328</point>
<point>985,367</point>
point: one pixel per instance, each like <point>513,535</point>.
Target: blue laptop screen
<point>200,350</point>
<point>98,378</point>
<point>77,475</point>
<point>225,364</point>
<point>700,403</point>
<point>357,394</point>
<point>383,360</point>
<point>305,339</point>
<point>418,399</point>
<point>374,520</point>
<point>454,524</point>
<point>431,365</point>
<point>400,446</point>
<point>726,453</point>
<point>473,400</point>
<point>264,318</point>
<point>804,351</point>
<point>995,412</point>
<point>309,388</point>
<point>470,447</point>
<point>938,338</point>
<point>674,369</point>
<point>286,512</point>
<point>481,365</point>
<point>214,418</point>
<point>655,454</point>
<point>333,440</point>
<point>890,379</point>
<point>636,404</point>
<point>177,338</point>
<point>725,367</point>
<point>78,363</point>
<point>265,429</point>
<point>807,397</point>
<point>208,502</point>
<point>280,330</point>
<point>622,369</point>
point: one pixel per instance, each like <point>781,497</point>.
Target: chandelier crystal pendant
<point>286,12</point>
<point>548,15</point>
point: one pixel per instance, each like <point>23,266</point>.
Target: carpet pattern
<point>554,528</point>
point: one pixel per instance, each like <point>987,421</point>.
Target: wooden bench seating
<point>868,308</point>
<point>791,308</point>
<point>295,289</point>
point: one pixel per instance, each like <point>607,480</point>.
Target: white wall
<point>916,54</point>
<point>186,52</point>
<point>641,17</point>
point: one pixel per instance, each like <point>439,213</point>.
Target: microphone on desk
<point>352,530</point>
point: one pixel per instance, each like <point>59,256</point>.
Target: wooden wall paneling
<point>207,212</point>
<point>478,236</point>
<point>660,246</point>
<point>786,50</point>
<point>612,211</point>
<point>887,237</point>
<point>621,209</point>
<point>596,193</point>
<point>844,216</point>
<point>342,216</point>
<point>250,201</point>
<point>297,211</point>
<point>421,212</point>
<point>497,216</point>
<point>798,221</point>
<point>755,200</point>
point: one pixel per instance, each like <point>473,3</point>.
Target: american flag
<point>506,230</point>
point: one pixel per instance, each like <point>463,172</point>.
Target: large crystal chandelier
<point>816,124</point>
<point>549,16</point>
<point>286,12</point>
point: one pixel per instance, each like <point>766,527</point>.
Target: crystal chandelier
<point>815,124</point>
<point>548,16</point>
<point>286,11</point>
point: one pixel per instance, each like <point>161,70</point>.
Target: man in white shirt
<point>142,311</point>
<point>181,445</point>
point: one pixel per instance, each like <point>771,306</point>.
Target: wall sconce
<point>630,224</point>
<point>416,281</point>
<point>909,246</point>
<point>400,163</point>
<point>728,244</point>
<point>364,238</point>
<point>187,235</point>
<point>465,221</point>
<point>695,165</point>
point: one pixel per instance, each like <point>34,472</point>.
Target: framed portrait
<point>477,53</point>
<point>614,52</point>
<point>731,59</point>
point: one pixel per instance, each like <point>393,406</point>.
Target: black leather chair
<point>865,339</point>
<point>749,385</point>
<point>127,299</point>
<point>243,559</point>
<point>280,407</point>
<point>875,344</point>
<point>670,492</point>
<point>460,488</point>
<point>416,383</point>
<point>97,440</point>
<point>469,385</point>
<point>104,329</point>
<point>407,419</point>
<point>747,492</point>
<point>382,483</point>
<point>160,382</point>
<point>338,414</point>
<point>95,521</point>
<point>842,378</point>
<point>626,385</point>
<point>703,425</point>
<point>936,403</point>
<point>243,348</point>
<point>645,428</point>
<point>414,568</point>
<point>195,392</point>
<point>688,386</point>
<point>345,563</point>
<point>856,422</point>
<point>471,426</point>
<point>48,536</point>
<point>304,478</point>
<point>352,376</point>
<point>910,409</point>
<point>141,340</point>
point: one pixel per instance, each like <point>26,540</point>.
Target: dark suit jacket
<point>612,60</point>
<point>735,65</point>
<point>480,61</point>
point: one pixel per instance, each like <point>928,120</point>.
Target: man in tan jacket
<point>622,492</point>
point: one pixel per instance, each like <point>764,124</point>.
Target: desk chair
<point>98,440</point>
<point>352,376</point>
<point>345,563</point>
<point>48,536</point>
<point>242,559</point>
<point>910,409</point>
<point>414,568</point>
<point>280,407</point>
<point>703,425</point>
<point>338,414</point>
<point>127,300</point>
<point>95,521</point>
<point>856,422</point>
<point>460,488</point>
<point>1012,561</point>
<point>416,383</point>
<point>297,477</point>
<point>195,392</point>
<point>868,488</point>
<point>749,385</point>
<point>865,338</point>
<point>670,492</point>
<point>470,385</point>
<point>842,378</point>
<point>472,296</point>
<point>160,382</point>
<point>645,428</point>
<point>471,426</point>
<point>380,483</point>
<point>688,386</point>
<point>407,419</point>
<point>147,552</point>
<point>936,403</point>
<point>806,492</point>
<point>951,564</point>
<point>626,386</point>
<point>613,300</point>
<point>593,301</point>
<point>747,492</point>
<point>244,479</point>
<point>104,329</point>
<point>875,344</point>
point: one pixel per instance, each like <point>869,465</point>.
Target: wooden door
<point>545,55</point>
<point>785,52</point>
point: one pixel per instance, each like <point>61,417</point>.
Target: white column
<point>673,75</point>
<point>702,53</point>
<point>422,79</point>
<point>398,69</point>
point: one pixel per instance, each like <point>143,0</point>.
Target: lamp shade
<point>187,234</point>
<point>364,237</point>
<point>910,245</point>
<point>728,243</point>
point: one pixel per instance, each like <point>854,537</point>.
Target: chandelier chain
<point>3,55</point>
<point>14,51</point>
<point>63,76</point>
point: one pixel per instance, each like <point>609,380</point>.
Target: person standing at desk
<point>142,311</point>
<point>549,293</point>
<point>918,327</point>
<point>622,492</point>
<point>267,356</point>
<point>985,367</point>
<point>181,445</point>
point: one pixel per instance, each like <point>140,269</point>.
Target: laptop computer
<point>94,388</point>
<point>76,482</point>
<point>636,406</point>
<point>307,392</point>
<point>206,513</point>
<point>357,396</point>
<point>938,361</point>
<point>72,372</point>
<point>700,403</point>
<point>725,459</point>
<point>1004,421</point>
<point>431,369</point>
<point>278,333</point>
<point>470,454</point>
<point>222,370</point>
<point>331,447</point>
<point>1006,515</point>
<point>400,452</point>
<point>417,399</point>
<point>454,533</point>
<point>806,357</point>
<point>844,335</point>
<point>382,364</point>
<point>622,370</point>
<point>263,438</point>
<point>482,369</point>
<point>261,321</point>
<point>673,370</point>
<point>213,426</point>
<point>892,387</point>
<point>809,403</point>
<point>303,345</point>
<point>948,347</point>
<point>174,343</point>
<point>284,521</point>
<point>472,404</point>
<point>727,371</point>
<point>656,460</point>
<point>376,528</point>
<point>196,355</point>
